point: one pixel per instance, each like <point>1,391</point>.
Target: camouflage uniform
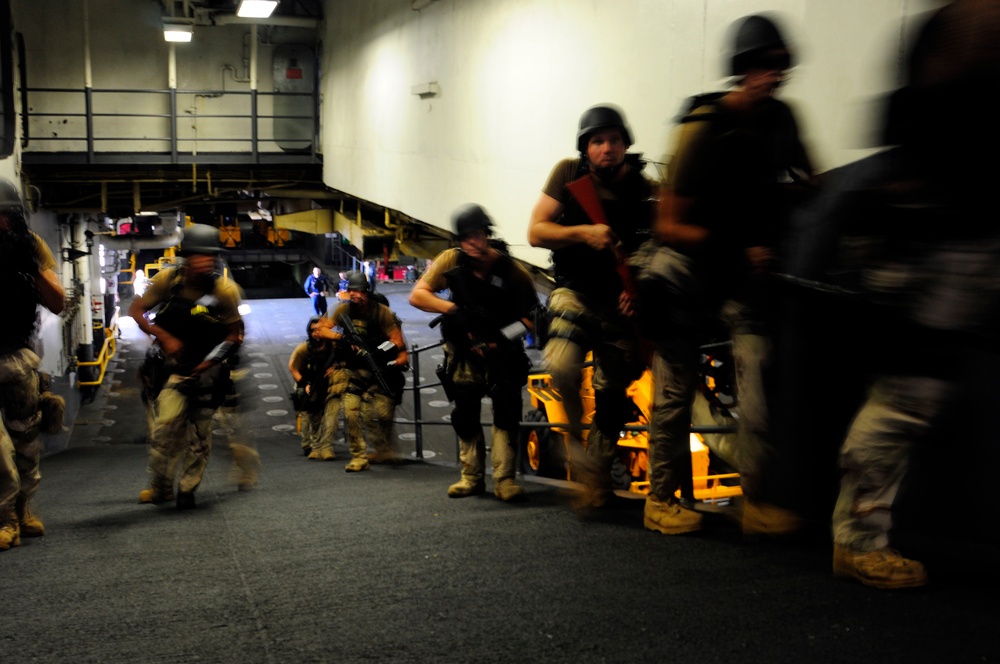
<point>20,448</point>
<point>368,408</point>
<point>185,406</point>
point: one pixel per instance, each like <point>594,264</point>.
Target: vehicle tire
<point>535,453</point>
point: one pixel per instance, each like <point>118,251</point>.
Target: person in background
<point>316,287</point>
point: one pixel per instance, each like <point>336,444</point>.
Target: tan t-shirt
<point>227,291</point>
<point>43,256</point>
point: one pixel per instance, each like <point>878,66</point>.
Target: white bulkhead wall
<point>513,76</point>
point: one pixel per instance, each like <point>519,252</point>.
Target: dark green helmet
<point>601,117</point>
<point>200,239</point>
<point>758,42</point>
<point>357,281</point>
<point>470,218</point>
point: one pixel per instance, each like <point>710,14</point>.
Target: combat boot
<point>30,525</point>
<point>669,517</point>
<point>356,465</point>
<point>766,520</point>
<point>314,455</point>
<point>508,490</point>
<point>185,500</point>
<point>885,569</point>
<point>327,455</point>
<point>10,534</point>
<point>466,487</point>
<point>158,492</point>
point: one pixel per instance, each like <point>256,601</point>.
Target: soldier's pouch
<point>339,380</point>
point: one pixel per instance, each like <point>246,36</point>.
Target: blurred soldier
<point>932,282</point>
<point>316,287</point>
<point>721,214</point>
<point>371,375</point>
<point>26,266</point>
<point>492,301</point>
<point>198,327</point>
<point>592,213</point>
<point>309,365</point>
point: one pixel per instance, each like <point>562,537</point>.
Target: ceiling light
<point>256,8</point>
<point>177,32</point>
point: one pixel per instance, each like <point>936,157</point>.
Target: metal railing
<point>418,422</point>
<point>108,350</point>
<point>169,122</point>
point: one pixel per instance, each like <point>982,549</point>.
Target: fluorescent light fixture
<point>256,8</point>
<point>177,32</point>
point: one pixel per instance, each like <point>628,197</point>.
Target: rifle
<point>351,333</point>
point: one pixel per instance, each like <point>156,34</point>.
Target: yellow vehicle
<point>545,450</point>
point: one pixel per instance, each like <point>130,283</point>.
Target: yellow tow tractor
<point>545,450</point>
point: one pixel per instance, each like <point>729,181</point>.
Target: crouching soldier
<point>370,377</point>
<point>26,271</point>
<point>309,365</point>
<point>484,354</point>
<point>198,327</point>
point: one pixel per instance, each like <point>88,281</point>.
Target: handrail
<point>108,350</point>
<point>163,124</point>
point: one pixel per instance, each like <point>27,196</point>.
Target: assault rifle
<point>351,334</point>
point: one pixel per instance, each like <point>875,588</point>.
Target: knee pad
<point>610,412</point>
<point>465,422</point>
<point>507,411</point>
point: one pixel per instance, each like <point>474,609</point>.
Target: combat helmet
<point>600,117</point>
<point>357,281</point>
<point>758,41</point>
<point>470,218</point>
<point>200,239</point>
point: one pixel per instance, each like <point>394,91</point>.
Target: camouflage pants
<point>325,431</point>
<point>20,448</point>
<point>182,432</point>
<point>368,413</point>
<point>312,429</point>
<point>578,327</point>
<point>675,379</point>
<point>900,410</point>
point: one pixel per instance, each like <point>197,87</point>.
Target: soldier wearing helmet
<point>311,364</point>
<point>721,213</point>
<point>484,354</point>
<point>198,328</point>
<point>593,213</point>
<point>369,380</point>
<point>27,273</point>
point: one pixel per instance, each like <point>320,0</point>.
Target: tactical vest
<point>21,297</point>
<point>196,323</point>
<point>370,331</point>
<point>594,273</point>
<point>492,296</point>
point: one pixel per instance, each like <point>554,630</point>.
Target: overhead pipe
<point>277,21</point>
<point>117,242</point>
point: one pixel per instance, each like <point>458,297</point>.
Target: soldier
<point>309,365</point>
<point>370,379</point>
<point>484,355</point>
<point>593,212</point>
<point>28,277</point>
<point>931,285</point>
<point>198,327</point>
<point>720,220</point>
